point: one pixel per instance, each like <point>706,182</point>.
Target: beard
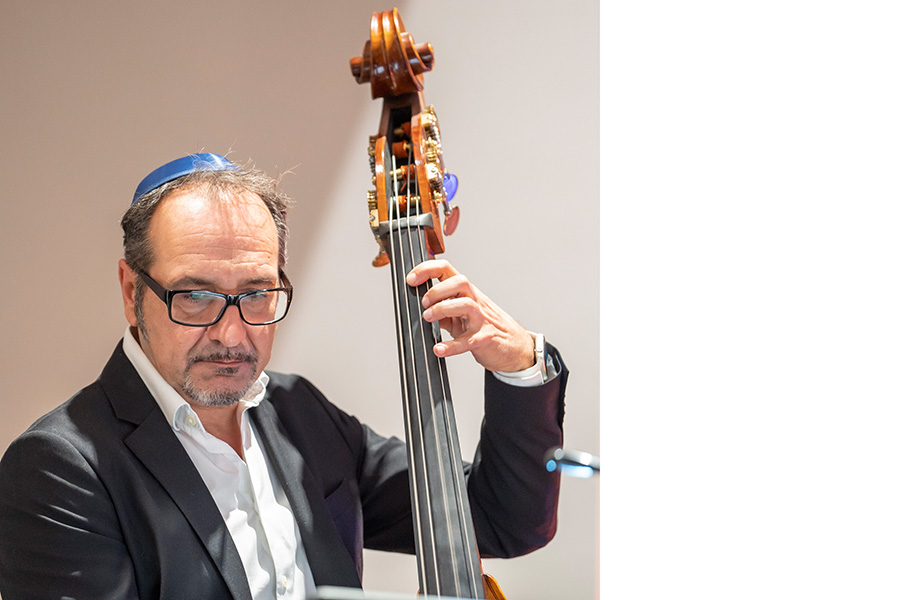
<point>192,388</point>
<point>206,397</point>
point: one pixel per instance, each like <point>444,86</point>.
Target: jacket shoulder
<point>300,404</point>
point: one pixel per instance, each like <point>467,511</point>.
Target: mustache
<point>228,354</point>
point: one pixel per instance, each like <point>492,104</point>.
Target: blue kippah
<point>202,161</point>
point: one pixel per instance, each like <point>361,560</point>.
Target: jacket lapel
<point>328,557</point>
<point>155,444</point>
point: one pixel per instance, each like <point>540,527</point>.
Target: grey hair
<point>215,184</point>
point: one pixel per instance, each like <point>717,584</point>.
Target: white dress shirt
<point>246,491</point>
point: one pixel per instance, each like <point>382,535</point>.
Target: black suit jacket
<point>98,499</point>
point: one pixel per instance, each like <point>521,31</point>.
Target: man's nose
<point>230,330</point>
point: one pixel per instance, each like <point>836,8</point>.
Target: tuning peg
<point>451,220</point>
<point>371,151</point>
<point>381,260</point>
<point>372,201</point>
<point>451,214</point>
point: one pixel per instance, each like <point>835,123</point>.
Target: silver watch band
<point>539,357</point>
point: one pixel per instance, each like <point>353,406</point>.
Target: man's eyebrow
<point>262,282</point>
<point>192,283</point>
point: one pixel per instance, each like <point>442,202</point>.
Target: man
<point>186,471</point>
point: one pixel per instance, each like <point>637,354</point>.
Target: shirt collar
<point>174,407</point>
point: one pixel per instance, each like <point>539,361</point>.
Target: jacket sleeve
<point>513,498</point>
<point>58,534</point>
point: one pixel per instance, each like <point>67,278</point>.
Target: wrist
<point>534,374</point>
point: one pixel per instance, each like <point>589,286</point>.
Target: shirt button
<point>283,582</point>
<point>191,421</point>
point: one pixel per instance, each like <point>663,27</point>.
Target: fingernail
<point>425,302</point>
<point>439,349</point>
<point>427,315</point>
<point>411,279</point>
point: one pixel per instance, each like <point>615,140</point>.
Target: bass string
<point>403,260</point>
<point>417,251</point>
<point>397,267</point>
<point>459,487</point>
<point>455,457</point>
<point>415,308</point>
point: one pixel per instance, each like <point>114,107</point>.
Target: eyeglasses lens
<point>204,308</point>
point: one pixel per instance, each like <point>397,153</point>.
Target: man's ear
<point>126,281</point>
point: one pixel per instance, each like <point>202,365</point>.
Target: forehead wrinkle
<point>213,255</point>
<point>244,261</point>
<point>224,225</point>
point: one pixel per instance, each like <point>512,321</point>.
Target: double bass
<point>410,214</point>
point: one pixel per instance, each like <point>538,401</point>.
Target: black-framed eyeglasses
<point>202,308</point>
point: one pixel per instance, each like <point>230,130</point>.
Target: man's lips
<point>226,364</point>
<point>231,358</point>
<point>227,368</point>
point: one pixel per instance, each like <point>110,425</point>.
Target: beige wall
<point>95,95</point>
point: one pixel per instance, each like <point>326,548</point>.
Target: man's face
<point>227,245</point>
